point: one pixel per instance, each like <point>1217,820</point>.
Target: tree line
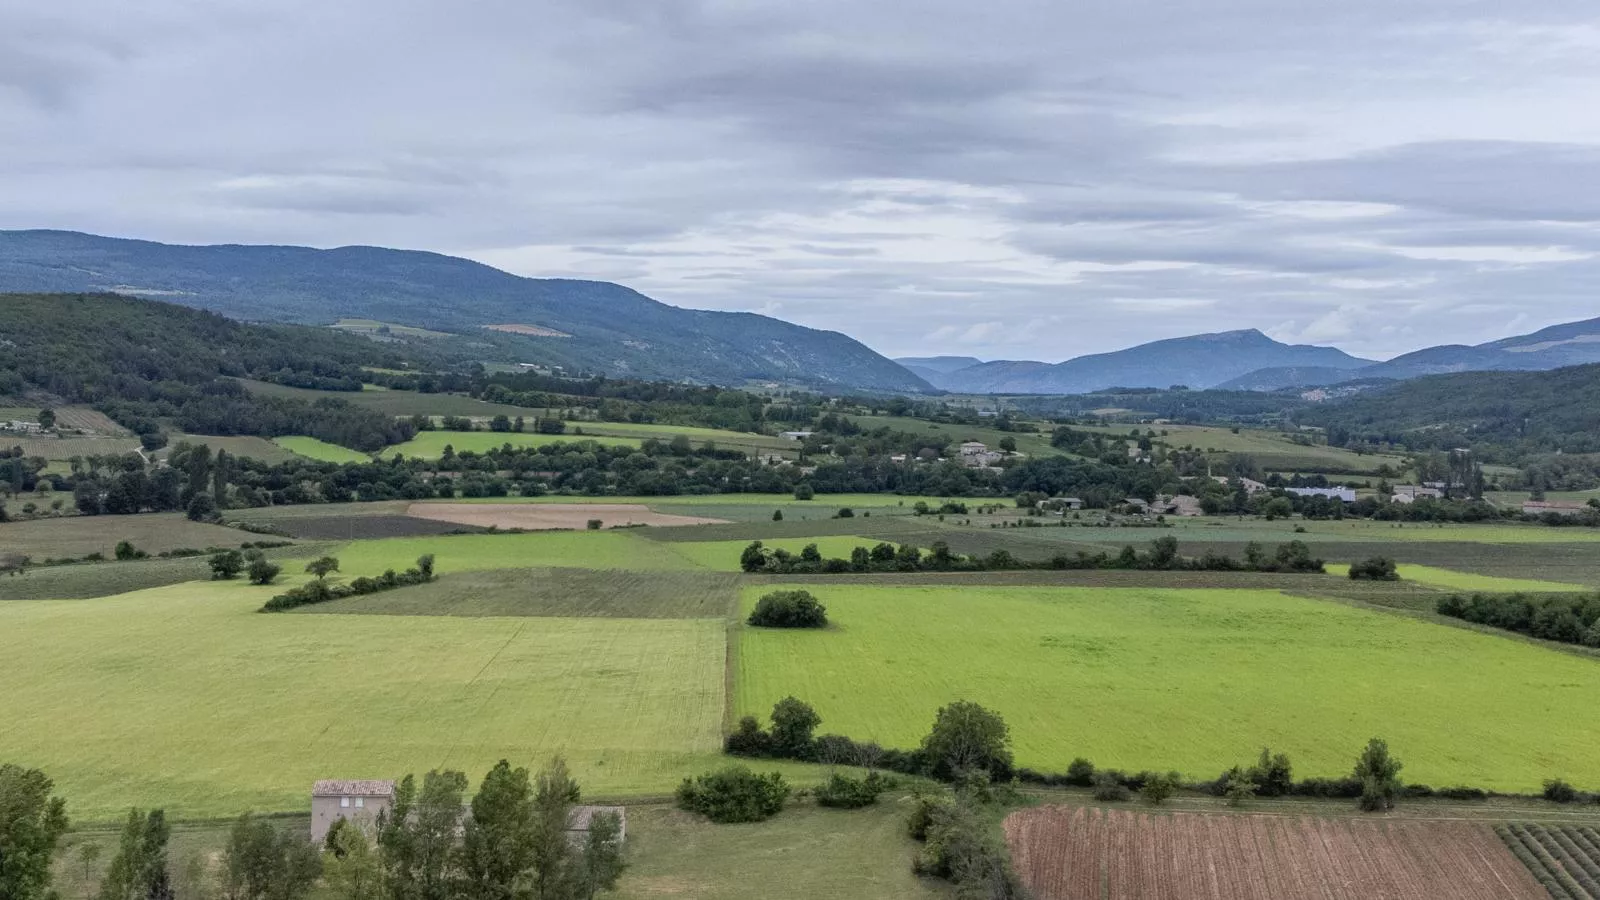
<point>513,839</point>
<point>1564,618</point>
<point>1162,555</point>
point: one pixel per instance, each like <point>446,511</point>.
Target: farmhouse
<point>1411,493</point>
<point>362,801</point>
<point>977,454</point>
<point>795,435</point>
<point>1181,505</point>
<point>21,427</point>
<point>1554,507</point>
<point>358,801</point>
<point>1347,495</point>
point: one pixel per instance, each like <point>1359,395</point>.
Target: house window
<point>361,802</point>
<point>344,801</point>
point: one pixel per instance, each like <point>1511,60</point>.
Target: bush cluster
<point>960,847</point>
<point>320,591</point>
<point>848,792</point>
<point>734,794</point>
<point>789,609</point>
<point>1377,568</point>
<point>1293,556</point>
<point>1566,619</point>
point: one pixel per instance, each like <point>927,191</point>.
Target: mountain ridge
<point>612,329</point>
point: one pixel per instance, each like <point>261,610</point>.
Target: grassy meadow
<point>186,696</point>
<point>1467,581</point>
<point>322,451</point>
<point>431,444</point>
<point>469,552</point>
<point>1186,680</point>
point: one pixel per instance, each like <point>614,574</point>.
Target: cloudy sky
<point>1005,179</point>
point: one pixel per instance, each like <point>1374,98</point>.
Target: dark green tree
<point>262,572</point>
<point>966,737</point>
<point>323,567</point>
<point>139,869</point>
<point>794,723</point>
<point>227,564</point>
<point>417,837</point>
<point>261,862</point>
<point>1379,774</point>
<point>497,846</point>
<point>602,862</point>
<point>31,823</point>
<point>555,871</point>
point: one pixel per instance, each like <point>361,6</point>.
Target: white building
<point>1347,495</point>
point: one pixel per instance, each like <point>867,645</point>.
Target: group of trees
<point>789,609</point>
<point>1567,619</point>
<point>516,842</point>
<point>320,591</point>
<point>1163,555</point>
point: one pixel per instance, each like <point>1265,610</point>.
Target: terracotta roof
<point>338,788</point>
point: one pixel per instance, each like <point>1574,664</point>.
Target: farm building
<point>358,801</point>
<point>362,801</point>
<point>1181,505</point>
<point>1250,485</point>
<point>795,435</point>
<point>1411,493</point>
<point>1347,495</point>
<point>20,427</point>
<point>1556,507</point>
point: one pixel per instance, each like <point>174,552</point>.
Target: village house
<point>977,454</point>
<point>1250,485</point>
<point>1411,493</point>
<point>361,801</point>
<point>1181,505</point>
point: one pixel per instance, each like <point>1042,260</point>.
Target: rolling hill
<point>603,327</point>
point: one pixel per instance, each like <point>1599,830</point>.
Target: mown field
<point>270,452</point>
<point>431,444</point>
<point>322,451</point>
<point>1192,680</point>
<point>1467,581</point>
<point>468,552</point>
<point>185,696</point>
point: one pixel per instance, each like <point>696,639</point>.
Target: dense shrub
<point>227,564</point>
<point>959,846</point>
<point>1293,556</point>
<point>1558,791</point>
<point>262,572</point>
<point>1080,773</point>
<point>1377,568</point>
<point>789,609</point>
<point>734,794</point>
<point>846,792</point>
<point>965,737</point>
<point>1108,788</point>
<point>1568,619</point>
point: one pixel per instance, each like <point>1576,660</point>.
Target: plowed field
<point>1066,853</point>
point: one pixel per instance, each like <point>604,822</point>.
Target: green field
<point>75,536</point>
<point>469,552</point>
<point>431,444</point>
<point>552,592</point>
<point>1364,530</point>
<point>371,326</point>
<point>322,451</point>
<point>1186,680</point>
<point>826,504</point>
<point>269,452</point>
<point>1467,581</point>
<point>186,697</point>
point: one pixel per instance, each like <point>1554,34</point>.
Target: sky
<point>1016,179</point>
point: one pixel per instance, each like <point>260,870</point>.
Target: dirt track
<point>550,515</point>
<point>1067,853</point>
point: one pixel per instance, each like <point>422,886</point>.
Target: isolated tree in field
<point>966,737</point>
<point>31,822</point>
<point>262,572</point>
<point>425,565</point>
<point>497,846</point>
<point>417,836</point>
<point>804,491</point>
<point>138,871</point>
<point>1008,444</point>
<point>789,609</point>
<point>126,551</point>
<point>1379,774</point>
<point>227,564</point>
<point>777,516</point>
<point>47,418</point>
<point>261,862</point>
<point>323,567</point>
<point>1377,568</point>
<point>794,723</point>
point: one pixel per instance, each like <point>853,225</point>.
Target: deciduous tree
<point>31,822</point>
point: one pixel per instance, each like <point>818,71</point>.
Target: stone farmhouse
<point>362,801</point>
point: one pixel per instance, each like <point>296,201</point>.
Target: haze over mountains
<point>587,326</point>
<point>1249,360</point>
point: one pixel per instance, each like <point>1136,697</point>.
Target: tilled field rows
<point>1565,859</point>
<point>1066,853</point>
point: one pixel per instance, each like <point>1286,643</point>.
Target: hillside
<point>607,328</point>
<point>1281,377</point>
<point>1558,410</point>
<point>1197,361</point>
<point>1570,344</point>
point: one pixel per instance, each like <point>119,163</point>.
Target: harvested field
<point>551,515</point>
<point>66,448</point>
<point>75,536</point>
<point>553,592</point>
<point>528,330</point>
<point>1067,853</point>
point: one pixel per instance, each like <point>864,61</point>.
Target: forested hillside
<point>583,326</point>
<point>150,365</point>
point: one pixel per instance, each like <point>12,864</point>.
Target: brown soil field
<point>1067,853</point>
<point>550,515</point>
